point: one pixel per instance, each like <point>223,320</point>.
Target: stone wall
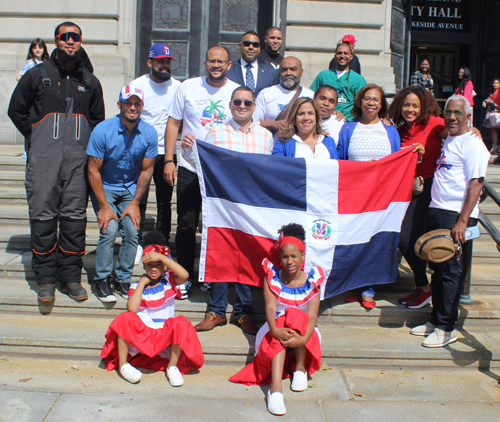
<point>109,37</point>
<point>315,27</point>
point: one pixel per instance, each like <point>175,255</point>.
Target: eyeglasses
<point>65,36</point>
<point>458,113</point>
<point>237,102</point>
<point>250,43</point>
<point>212,61</point>
<point>370,99</point>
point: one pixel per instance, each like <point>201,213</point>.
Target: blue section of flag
<point>253,179</point>
<point>364,264</point>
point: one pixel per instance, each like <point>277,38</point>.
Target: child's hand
<point>296,341</point>
<point>283,334</point>
<point>152,257</point>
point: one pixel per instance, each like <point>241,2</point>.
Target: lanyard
<point>346,86</point>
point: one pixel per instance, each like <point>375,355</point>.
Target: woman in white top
<point>303,135</point>
<point>37,53</point>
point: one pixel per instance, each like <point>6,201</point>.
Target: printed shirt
<point>295,297</point>
<point>462,158</point>
<point>201,107</point>
<point>158,302</point>
<point>122,152</point>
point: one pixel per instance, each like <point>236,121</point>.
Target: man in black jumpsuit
<point>56,105</point>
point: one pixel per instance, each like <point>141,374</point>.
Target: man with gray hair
<point>458,180</point>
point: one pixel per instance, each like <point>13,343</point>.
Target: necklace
<point>287,283</point>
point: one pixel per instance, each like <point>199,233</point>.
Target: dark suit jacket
<point>266,75</point>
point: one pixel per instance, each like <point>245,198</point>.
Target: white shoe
<point>138,255</point>
<point>130,373</point>
<point>299,381</point>
<point>184,288</point>
<point>423,330</point>
<point>439,338</point>
<point>174,376</point>
<point>275,403</point>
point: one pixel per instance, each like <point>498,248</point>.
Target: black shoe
<point>75,291</point>
<point>103,290</point>
<point>46,292</point>
<point>122,289</point>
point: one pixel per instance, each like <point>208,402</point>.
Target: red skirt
<point>258,372</point>
<point>150,342</point>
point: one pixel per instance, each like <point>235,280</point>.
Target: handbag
<point>418,186</point>
<point>494,120</point>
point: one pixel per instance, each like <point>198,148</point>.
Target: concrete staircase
<point>351,335</point>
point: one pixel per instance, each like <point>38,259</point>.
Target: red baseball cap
<point>350,39</point>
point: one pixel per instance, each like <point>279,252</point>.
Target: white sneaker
<point>439,338</point>
<point>299,381</point>
<point>275,403</point>
<point>423,330</point>
<point>184,288</point>
<point>130,373</point>
<point>174,376</point>
<point>138,255</point>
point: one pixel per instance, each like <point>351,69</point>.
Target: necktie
<point>249,78</point>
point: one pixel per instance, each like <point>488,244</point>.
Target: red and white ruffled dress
<point>291,312</point>
<point>152,329</point>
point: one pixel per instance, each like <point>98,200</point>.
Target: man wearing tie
<point>247,71</point>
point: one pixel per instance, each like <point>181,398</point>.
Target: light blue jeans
<point>118,201</point>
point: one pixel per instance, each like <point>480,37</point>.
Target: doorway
<point>191,27</point>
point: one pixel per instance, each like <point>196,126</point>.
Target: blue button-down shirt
<point>122,152</point>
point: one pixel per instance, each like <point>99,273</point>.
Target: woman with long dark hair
<point>37,53</point>
<point>465,86</point>
<point>492,106</point>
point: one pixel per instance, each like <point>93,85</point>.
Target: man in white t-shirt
<point>200,104</point>
<point>159,89</point>
<point>271,101</point>
<point>458,180</point>
<point>326,97</point>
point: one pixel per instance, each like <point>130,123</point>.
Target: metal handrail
<point>465,297</point>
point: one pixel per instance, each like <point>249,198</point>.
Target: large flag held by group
<point>351,212</point>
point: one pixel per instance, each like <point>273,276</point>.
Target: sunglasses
<point>458,113</point>
<point>65,36</point>
<point>237,102</point>
<point>250,43</point>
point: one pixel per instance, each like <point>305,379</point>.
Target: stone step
<point>342,343</point>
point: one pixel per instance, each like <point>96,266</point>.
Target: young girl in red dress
<point>288,344</point>
<point>149,335</point>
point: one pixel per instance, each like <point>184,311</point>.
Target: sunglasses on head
<point>250,43</point>
<point>65,36</point>
<point>237,102</point>
<point>458,113</point>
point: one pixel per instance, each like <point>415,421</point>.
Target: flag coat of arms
<point>351,211</point>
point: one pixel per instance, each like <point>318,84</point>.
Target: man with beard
<point>159,89</point>
<point>122,152</point>
<point>274,103</point>
<point>270,54</point>
<point>200,104</point>
<point>247,71</point>
<point>346,81</point>
<point>55,106</point>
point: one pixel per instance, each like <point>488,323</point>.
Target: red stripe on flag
<point>235,256</point>
<point>372,186</point>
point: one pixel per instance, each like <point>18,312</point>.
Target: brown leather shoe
<point>247,325</point>
<point>211,321</point>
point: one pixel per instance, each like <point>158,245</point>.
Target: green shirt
<point>349,84</point>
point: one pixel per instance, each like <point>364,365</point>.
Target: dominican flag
<point>351,212</point>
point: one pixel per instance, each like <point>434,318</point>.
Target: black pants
<point>188,217</point>
<point>163,201</point>
<point>446,280</point>
<point>411,229</point>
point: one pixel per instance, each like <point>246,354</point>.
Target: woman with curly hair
<point>303,135</point>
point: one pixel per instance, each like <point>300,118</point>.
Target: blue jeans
<point>117,201</point>
<point>218,299</point>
